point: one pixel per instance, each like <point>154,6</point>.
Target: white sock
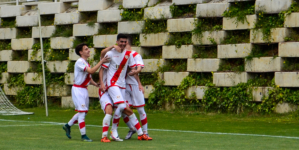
<point>127,121</point>
<point>74,120</point>
<point>143,119</point>
<point>106,124</point>
<point>117,114</point>
<point>81,120</point>
<point>134,121</point>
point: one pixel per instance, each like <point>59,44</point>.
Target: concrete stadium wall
<point>108,12</point>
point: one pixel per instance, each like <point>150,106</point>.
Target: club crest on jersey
<point>83,105</point>
<point>126,56</point>
<point>117,66</point>
<point>118,97</point>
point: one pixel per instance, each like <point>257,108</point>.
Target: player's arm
<point>97,66</point>
<point>93,83</point>
<point>104,51</point>
<point>139,63</point>
<point>102,85</point>
<point>139,83</point>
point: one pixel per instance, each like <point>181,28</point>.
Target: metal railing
<point>17,2</point>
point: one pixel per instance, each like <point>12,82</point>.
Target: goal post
<point>7,108</point>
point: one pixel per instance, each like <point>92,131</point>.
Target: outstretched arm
<point>104,51</point>
<point>97,66</point>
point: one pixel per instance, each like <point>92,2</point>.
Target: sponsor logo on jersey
<point>83,105</point>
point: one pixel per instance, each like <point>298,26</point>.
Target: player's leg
<point>118,100</point>
<point>124,116</point>
<point>67,127</point>
<point>134,121</point>
<point>106,105</point>
<point>131,127</point>
<point>139,103</point>
<point>83,109</point>
<point>143,119</point>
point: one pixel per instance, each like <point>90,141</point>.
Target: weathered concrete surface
<point>264,64</point>
<point>47,31</point>
<point>172,52</point>
<point>228,79</point>
<point>199,91</point>
<point>174,78</point>
<point>234,50</point>
<point>203,65</point>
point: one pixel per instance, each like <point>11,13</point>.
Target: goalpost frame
<point>43,64</point>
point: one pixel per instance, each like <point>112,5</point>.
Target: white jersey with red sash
<point>117,67</point>
<point>82,78</point>
<point>116,73</point>
<point>139,62</point>
<point>79,90</point>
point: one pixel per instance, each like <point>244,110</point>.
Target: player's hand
<point>102,87</point>
<point>133,72</point>
<point>105,60</point>
<point>141,88</point>
<point>97,85</point>
<point>117,48</point>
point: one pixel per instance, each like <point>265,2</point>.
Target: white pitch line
<point>165,130</point>
<point>22,125</point>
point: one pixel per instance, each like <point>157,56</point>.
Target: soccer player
<point>80,96</point>
<point>105,100</point>
<point>116,72</point>
<point>134,92</point>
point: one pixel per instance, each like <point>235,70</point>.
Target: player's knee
<point>109,109</point>
<point>141,110</point>
<point>128,111</point>
<point>122,106</point>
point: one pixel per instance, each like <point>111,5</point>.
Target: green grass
<point>108,28</point>
<point>63,31</point>
<point>235,65</point>
<point>50,136</point>
<point>47,20</point>
<point>24,32</point>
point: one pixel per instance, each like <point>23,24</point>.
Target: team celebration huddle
<point>119,89</point>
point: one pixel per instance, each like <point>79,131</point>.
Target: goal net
<point>7,108</point>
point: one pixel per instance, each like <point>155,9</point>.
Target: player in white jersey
<point>134,92</point>
<point>105,100</point>
<point>116,72</point>
<point>80,96</point>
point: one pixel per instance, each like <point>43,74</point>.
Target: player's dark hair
<point>130,40</point>
<point>79,48</point>
<point>121,36</point>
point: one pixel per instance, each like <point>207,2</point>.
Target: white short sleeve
<point>106,65</point>
<point>138,60</point>
<point>81,66</point>
<point>131,63</point>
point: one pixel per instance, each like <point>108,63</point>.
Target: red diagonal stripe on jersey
<point>120,68</point>
<point>135,54</point>
<point>86,81</point>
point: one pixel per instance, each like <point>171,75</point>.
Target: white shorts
<point>105,100</point>
<point>134,96</point>
<point>117,94</point>
<point>80,98</point>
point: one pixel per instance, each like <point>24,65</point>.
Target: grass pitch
<point>169,130</point>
